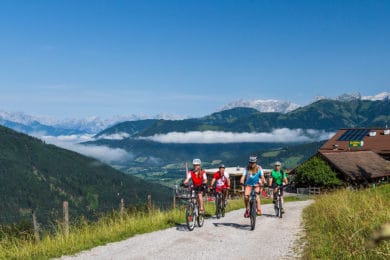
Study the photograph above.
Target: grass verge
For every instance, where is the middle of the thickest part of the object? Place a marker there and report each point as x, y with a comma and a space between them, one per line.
86, 235
339, 225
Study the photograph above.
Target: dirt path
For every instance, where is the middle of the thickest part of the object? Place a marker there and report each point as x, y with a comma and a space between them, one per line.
229, 237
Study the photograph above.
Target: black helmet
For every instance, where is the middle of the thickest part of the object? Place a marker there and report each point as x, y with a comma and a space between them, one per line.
252, 158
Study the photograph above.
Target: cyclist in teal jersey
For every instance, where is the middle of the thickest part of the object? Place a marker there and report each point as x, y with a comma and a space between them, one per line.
252, 178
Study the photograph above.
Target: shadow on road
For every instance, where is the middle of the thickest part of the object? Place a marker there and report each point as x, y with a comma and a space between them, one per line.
181, 227
268, 215
234, 225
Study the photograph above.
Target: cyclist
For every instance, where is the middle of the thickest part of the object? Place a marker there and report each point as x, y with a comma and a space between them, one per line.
199, 180
252, 177
278, 177
221, 181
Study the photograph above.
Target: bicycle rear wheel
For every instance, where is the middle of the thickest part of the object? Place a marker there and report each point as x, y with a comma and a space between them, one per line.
253, 209
190, 216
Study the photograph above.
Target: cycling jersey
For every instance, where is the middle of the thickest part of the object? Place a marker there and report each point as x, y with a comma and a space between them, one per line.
278, 176
221, 181
197, 180
253, 179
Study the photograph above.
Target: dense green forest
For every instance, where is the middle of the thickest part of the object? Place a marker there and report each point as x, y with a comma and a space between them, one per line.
34, 175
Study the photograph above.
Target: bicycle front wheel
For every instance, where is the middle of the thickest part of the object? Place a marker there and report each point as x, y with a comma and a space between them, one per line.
190, 216
280, 206
223, 208
218, 207
253, 210
200, 219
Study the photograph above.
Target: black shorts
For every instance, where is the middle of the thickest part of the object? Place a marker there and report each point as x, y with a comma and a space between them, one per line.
198, 189
279, 187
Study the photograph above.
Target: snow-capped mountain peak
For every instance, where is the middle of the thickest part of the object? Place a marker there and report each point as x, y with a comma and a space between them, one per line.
357, 96
380, 96
263, 105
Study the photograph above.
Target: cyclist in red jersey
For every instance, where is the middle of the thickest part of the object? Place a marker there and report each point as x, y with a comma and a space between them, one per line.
221, 180
199, 180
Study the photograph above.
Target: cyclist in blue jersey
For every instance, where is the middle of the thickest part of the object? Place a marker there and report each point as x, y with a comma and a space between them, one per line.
252, 178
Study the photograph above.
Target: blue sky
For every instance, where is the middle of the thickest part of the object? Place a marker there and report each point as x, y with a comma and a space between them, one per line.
80, 58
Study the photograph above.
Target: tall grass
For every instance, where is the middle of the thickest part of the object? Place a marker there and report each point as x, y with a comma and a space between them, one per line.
339, 225
86, 235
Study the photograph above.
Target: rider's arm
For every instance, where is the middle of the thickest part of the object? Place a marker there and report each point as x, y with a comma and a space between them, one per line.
228, 183
212, 182
204, 178
285, 180
270, 181
263, 180
187, 180
242, 180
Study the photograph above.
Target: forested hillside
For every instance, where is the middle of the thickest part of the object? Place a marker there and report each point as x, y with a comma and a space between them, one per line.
34, 175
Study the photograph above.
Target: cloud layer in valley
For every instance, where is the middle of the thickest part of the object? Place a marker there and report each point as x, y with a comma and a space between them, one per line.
72, 142
282, 135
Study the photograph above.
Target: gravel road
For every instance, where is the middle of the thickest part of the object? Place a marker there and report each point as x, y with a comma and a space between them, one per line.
229, 237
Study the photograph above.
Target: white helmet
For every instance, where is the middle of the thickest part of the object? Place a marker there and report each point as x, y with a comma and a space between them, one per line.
196, 162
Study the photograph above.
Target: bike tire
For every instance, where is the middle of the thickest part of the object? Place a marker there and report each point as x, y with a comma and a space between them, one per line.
200, 220
280, 209
218, 207
223, 208
190, 216
252, 214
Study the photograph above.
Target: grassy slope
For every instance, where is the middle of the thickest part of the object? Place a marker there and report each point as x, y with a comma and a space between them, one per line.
108, 229
339, 225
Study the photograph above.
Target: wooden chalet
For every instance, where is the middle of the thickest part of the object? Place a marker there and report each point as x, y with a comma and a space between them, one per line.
359, 155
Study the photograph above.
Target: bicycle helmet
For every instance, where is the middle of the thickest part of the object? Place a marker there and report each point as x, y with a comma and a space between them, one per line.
196, 162
278, 163
252, 158
221, 166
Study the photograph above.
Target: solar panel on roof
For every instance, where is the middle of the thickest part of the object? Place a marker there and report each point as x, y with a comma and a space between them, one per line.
353, 135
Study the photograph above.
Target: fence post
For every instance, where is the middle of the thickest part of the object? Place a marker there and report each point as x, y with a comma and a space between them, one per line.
36, 228
65, 207
122, 208
149, 202
174, 201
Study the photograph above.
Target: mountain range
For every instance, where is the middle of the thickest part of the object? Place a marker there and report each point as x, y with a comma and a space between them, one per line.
91, 125
222, 136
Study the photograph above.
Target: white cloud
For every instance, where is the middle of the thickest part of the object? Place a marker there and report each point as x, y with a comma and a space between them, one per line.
282, 135
72, 142
117, 136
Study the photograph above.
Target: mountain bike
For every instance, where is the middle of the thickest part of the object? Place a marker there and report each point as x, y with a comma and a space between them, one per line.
278, 202
253, 208
220, 203
192, 211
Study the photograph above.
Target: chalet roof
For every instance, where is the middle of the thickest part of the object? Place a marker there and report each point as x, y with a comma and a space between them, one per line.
358, 165
378, 142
